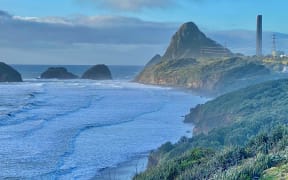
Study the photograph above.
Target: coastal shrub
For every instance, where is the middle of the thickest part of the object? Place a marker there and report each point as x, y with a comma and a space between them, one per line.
267, 149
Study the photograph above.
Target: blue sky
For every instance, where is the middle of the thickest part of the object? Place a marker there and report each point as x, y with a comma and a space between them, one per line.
211, 14
126, 31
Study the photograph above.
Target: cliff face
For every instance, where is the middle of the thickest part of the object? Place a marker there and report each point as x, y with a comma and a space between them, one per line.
209, 77
190, 42
211, 72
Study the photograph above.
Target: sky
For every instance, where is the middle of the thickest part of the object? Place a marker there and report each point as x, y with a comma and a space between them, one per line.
122, 32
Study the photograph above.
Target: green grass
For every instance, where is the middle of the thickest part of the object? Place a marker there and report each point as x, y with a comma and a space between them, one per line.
208, 76
280, 173
250, 161
246, 145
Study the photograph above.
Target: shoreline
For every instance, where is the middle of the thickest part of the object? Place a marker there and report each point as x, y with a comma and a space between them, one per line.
124, 171
128, 169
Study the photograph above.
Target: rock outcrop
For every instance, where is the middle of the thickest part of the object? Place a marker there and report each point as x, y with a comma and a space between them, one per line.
9, 74
190, 42
57, 73
98, 72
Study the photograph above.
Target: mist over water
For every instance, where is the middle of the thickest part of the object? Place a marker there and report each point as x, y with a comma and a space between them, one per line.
54, 129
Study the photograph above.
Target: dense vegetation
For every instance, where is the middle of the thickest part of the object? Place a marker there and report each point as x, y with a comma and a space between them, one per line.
263, 152
250, 106
208, 76
252, 143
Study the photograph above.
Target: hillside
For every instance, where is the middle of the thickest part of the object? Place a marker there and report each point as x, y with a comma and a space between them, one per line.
262, 101
210, 76
190, 42
240, 135
187, 63
264, 157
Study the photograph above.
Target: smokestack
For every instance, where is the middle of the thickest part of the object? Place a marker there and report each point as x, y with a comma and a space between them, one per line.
259, 36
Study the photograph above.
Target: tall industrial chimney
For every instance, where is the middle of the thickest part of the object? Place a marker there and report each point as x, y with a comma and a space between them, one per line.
259, 36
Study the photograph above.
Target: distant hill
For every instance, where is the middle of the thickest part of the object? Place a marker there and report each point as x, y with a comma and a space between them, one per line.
190, 42
244, 41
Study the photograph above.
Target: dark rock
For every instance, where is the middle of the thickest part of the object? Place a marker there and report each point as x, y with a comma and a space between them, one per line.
9, 74
57, 73
98, 72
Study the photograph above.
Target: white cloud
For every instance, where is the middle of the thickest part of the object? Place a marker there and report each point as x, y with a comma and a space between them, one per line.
81, 39
131, 4
48, 20
18, 30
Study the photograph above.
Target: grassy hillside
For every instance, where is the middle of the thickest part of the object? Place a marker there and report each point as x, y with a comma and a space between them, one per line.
245, 136
208, 76
259, 102
264, 157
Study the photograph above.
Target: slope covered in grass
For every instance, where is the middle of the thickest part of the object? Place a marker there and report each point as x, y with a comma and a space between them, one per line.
240, 135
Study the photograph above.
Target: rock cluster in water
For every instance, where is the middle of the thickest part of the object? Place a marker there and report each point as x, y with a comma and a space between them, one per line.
97, 72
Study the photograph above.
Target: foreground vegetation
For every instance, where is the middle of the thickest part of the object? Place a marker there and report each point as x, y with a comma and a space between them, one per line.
248, 162
250, 144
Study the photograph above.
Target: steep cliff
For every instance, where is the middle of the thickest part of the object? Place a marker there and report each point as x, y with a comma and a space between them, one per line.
196, 62
190, 42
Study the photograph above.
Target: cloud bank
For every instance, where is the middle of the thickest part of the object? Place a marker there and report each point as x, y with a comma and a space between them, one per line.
81, 39
102, 39
96, 30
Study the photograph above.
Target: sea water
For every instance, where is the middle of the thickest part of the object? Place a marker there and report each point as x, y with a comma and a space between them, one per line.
73, 129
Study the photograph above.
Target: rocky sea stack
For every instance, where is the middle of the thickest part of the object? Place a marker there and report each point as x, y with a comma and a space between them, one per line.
9, 74
190, 42
57, 73
98, 72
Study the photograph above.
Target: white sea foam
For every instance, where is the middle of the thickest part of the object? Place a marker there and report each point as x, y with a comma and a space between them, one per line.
71, 129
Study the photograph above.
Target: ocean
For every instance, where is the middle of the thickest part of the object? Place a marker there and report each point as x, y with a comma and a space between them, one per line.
73, 129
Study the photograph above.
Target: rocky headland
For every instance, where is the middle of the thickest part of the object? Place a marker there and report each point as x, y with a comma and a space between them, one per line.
194, 61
